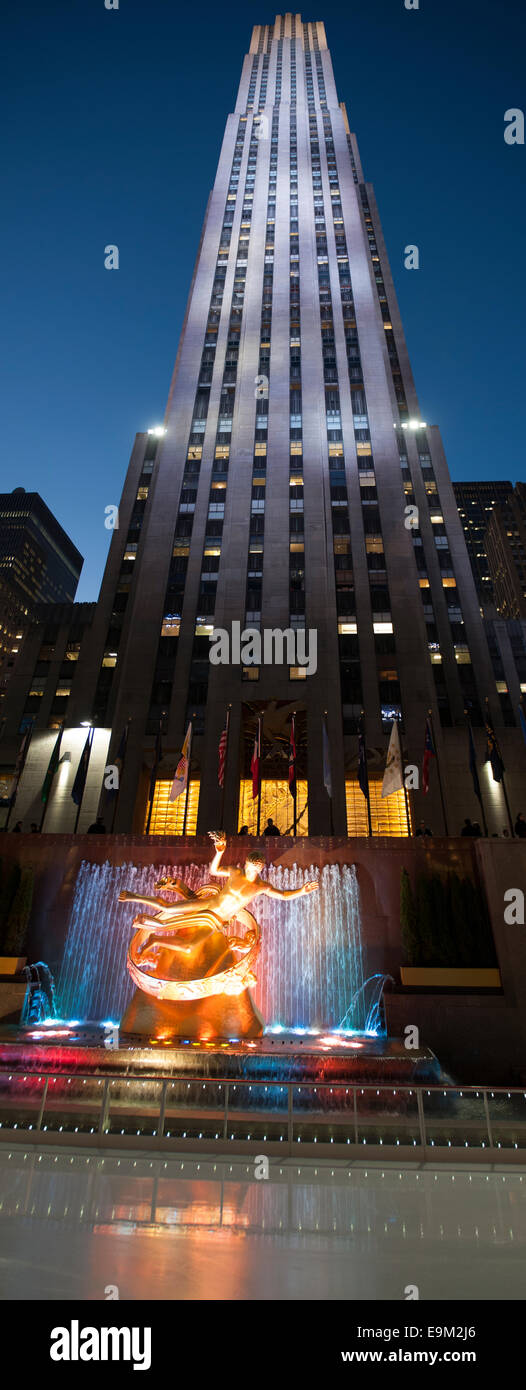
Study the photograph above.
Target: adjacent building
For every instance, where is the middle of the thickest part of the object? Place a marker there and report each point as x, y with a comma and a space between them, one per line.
38, 564
506, 551
293, 488
476, 501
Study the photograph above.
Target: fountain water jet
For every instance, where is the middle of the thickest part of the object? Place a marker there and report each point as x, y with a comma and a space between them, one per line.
311, 960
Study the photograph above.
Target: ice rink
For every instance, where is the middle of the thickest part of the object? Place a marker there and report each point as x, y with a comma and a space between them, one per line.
79, 1225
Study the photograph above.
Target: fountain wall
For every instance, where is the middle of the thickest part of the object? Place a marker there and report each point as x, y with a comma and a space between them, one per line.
477, 1027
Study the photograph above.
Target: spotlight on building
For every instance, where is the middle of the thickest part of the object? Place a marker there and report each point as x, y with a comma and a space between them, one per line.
157, 430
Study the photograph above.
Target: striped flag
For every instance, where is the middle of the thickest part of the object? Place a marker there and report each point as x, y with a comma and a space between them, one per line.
429, 753
180, 780
223, 744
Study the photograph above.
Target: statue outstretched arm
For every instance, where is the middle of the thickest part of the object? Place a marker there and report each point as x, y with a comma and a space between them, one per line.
126, 897
310, 887
219, 840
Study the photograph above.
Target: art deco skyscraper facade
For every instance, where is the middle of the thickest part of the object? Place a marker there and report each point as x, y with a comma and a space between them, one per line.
277, 495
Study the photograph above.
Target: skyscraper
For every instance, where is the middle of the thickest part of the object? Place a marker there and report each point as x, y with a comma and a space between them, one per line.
38, 564
295, 487
506, 549
475, 501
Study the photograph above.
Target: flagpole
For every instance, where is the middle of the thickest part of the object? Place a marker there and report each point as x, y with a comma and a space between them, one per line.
188, 776
150, 809
502, 778
479, 798
79, 807
442, 802
331, 818
512, 831
368, 797
295, 792
406, 798
157, 745
20, 771
259, 778
46, 803
223, 788
128, 722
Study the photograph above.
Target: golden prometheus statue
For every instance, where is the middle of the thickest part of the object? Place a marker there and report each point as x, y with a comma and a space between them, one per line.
195, 976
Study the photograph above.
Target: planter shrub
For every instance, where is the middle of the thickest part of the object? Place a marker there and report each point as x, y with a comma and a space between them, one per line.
446, 922
18, 919
8, 890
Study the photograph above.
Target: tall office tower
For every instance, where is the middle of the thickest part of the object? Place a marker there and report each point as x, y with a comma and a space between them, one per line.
38, 564
475, 502
282, 495
506, 551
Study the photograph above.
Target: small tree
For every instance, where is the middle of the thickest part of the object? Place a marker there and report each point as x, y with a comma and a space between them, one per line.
480, 934
8, 890
424, 918
18, 920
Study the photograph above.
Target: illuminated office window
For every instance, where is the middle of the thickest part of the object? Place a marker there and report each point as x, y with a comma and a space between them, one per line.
167, 816
388, 816
276, 801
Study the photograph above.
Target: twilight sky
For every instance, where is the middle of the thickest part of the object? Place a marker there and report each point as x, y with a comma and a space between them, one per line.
114, 122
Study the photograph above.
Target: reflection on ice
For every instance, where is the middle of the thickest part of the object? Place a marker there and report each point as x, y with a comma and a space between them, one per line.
71, 1223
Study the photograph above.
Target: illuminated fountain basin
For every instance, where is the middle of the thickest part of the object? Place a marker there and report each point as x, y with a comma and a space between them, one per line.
310, 969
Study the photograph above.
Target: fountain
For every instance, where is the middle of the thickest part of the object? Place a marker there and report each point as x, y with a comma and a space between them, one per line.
310, 969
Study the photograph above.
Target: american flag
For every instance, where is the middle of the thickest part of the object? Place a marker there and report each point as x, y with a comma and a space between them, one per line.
223, 742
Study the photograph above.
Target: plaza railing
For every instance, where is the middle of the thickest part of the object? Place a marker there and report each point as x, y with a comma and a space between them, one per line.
151, 1112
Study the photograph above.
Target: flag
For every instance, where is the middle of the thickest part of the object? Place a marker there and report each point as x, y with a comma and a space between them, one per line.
327, 779
52, 767
493, 754
429, 753
255, 766
156, 761
180, 780
119, 761
20, 763
522, 716
473, 765
363, 776
77, 790
393, 775
223, 744
292, 759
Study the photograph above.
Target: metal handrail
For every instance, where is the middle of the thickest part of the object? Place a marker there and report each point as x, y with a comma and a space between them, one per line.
450, 1088
290, 1114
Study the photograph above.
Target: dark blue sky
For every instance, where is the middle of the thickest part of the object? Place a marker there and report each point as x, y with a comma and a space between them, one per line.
115, 121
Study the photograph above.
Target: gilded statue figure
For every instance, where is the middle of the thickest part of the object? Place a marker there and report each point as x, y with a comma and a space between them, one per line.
220, 906
184, 953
